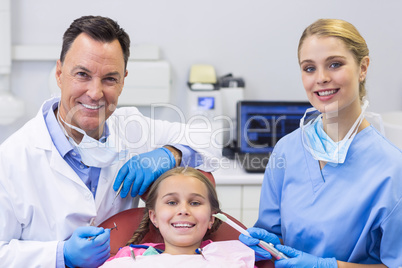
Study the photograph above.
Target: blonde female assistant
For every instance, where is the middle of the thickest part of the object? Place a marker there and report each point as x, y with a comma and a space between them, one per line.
337, 201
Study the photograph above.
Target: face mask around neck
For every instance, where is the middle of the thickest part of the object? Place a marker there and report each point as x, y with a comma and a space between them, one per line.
320, 145
93, 152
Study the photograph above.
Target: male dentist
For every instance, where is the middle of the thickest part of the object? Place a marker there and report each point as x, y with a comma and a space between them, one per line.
60, 172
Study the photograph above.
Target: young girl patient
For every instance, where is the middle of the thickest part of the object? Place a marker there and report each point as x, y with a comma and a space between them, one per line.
180, 205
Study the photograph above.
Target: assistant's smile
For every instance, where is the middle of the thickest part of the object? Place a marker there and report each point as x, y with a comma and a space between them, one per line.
327, 92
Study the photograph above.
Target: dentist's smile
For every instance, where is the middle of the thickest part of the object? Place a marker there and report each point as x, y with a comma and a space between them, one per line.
92, 107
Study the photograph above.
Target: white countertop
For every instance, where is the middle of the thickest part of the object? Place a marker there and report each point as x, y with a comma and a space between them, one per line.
230, 172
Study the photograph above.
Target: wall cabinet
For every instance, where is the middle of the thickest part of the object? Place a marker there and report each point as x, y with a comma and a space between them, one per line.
238, 191
240, 201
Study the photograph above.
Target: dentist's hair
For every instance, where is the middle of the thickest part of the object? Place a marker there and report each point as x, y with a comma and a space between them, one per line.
99, 28
347, 33
152, 196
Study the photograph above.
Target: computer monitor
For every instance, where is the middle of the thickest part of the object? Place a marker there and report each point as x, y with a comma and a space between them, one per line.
261, 124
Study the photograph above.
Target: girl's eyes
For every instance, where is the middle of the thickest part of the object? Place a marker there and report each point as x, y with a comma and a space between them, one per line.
192, 203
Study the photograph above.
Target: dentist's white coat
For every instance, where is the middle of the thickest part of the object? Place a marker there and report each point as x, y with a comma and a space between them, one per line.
42, 199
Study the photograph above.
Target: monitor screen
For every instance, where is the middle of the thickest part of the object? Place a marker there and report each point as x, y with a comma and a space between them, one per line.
206, 103
260, 124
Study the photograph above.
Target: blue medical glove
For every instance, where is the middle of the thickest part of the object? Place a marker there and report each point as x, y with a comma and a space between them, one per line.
302, 260
142, 170
79, 251
257, 235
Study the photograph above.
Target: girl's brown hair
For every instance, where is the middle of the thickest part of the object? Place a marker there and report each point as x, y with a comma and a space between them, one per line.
143, 227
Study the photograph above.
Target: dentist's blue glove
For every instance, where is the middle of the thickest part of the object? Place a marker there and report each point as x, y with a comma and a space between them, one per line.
257, 235
302, 260
142, 170
81, 252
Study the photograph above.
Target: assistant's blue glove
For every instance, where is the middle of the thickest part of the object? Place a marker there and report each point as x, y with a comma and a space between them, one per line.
142, 170
79, 251
257, 235
302, 260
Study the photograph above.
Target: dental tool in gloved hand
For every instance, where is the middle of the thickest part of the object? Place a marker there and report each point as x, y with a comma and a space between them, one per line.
142, 170
118, 192
93, 237
79, 252
264, 245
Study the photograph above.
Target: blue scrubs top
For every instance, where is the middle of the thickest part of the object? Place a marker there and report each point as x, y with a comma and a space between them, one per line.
352, 211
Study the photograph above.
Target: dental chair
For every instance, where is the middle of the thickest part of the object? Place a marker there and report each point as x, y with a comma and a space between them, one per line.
127, 222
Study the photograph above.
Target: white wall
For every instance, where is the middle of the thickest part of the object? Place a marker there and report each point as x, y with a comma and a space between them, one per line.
255, 39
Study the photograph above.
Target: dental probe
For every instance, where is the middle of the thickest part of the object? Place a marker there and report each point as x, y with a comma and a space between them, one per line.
93, 237
262, 244
118, 192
